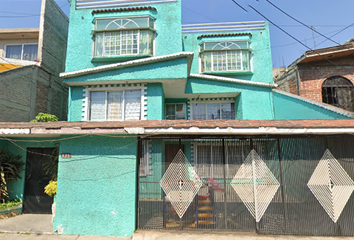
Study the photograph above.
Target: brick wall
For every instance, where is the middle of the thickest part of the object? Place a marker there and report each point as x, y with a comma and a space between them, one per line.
313, 75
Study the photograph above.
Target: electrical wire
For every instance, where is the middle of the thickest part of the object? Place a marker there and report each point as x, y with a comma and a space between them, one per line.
301, 22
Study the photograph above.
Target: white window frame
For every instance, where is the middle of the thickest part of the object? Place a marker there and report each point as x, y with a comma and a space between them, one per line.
22, 49
120, 30
88, 106
206, 108
185, 110
145, 160
249, 49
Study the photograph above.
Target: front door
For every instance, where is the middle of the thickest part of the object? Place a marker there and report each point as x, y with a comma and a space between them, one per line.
35, 200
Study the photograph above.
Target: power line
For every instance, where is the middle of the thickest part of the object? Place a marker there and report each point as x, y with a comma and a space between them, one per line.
239, 6
280, 28
337, 33
301, 22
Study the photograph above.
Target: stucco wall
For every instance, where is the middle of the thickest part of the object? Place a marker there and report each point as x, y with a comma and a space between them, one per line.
261, 55
80, 40
290, 108
251, 104
97, 186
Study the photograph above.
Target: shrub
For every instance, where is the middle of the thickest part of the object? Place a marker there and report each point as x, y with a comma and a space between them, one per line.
45, 117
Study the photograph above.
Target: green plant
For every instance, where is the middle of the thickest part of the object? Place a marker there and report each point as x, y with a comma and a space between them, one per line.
51, 188
51, 167
10, 204
45, 117
10, 169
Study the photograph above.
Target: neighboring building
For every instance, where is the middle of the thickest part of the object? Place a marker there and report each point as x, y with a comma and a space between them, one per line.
30, 62
323, 75
146, 94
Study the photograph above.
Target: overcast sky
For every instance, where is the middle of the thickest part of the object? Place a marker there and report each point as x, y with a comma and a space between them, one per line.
332, 18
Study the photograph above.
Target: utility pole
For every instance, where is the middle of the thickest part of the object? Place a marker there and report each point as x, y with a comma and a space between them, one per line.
313, 36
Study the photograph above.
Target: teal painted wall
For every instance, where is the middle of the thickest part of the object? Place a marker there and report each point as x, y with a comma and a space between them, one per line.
16, 187
76, 96
155, 101
171, 69
97, 186
168, 32
251, 104
261, 52
291, 108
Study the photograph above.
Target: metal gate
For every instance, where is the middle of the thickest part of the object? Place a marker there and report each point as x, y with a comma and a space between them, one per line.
269, 185
35, 200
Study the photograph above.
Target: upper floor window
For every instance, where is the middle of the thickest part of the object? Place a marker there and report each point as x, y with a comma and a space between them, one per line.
22, 51
231, 56
224, 110
124, 36
175, 111
338, 91
115, 105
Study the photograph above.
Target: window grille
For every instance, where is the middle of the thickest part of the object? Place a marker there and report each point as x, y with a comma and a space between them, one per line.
115, 105
119, 37
338, 92
225, 56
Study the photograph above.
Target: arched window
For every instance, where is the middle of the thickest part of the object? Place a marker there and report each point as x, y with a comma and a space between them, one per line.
338, 91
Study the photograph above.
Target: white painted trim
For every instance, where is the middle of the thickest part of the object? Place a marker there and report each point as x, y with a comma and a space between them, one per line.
225, 23
116, 3
14, 131
318, 104
248, 131
226, 79
126, 64
85, 104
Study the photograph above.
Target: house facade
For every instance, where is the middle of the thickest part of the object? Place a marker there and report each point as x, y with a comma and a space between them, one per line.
323, 75
181, 127
30, 62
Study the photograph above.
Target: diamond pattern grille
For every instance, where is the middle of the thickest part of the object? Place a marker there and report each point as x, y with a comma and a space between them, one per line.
331, 185
180, 183
255, 184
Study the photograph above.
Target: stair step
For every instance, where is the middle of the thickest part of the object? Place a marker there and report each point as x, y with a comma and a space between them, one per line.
205, 215
205, 208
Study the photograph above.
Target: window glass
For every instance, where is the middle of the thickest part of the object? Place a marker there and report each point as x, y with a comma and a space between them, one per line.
30, 52
175, 111
124, 37
213, 111
115, 100
199, 111
97, 106
115, 105
14, 52
225, 56
132, 105
227, 110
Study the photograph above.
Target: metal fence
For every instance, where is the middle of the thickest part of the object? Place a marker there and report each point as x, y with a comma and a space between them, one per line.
298, 186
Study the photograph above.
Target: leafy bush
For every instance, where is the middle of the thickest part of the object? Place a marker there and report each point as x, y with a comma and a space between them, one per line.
10, 204
45, 117
51, 188
10, 168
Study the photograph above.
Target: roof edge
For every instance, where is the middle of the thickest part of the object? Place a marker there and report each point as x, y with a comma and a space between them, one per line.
240, 81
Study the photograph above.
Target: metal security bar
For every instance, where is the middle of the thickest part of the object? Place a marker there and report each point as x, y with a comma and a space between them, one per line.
282, 185
84, 4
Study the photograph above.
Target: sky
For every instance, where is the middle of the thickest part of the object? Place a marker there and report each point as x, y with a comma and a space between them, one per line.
289, 38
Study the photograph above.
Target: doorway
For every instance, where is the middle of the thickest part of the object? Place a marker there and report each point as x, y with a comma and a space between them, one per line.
35, 200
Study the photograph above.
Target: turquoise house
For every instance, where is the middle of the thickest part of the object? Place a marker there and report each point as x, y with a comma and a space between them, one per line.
175, 126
